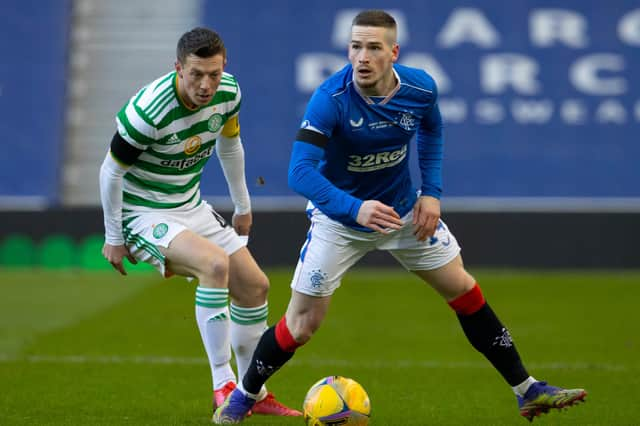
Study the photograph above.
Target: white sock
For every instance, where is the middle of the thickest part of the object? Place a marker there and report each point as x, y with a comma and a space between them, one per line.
247, 326
212, 315
522, 388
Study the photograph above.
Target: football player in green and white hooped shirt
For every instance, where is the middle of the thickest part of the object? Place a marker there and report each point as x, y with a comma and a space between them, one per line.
153, 212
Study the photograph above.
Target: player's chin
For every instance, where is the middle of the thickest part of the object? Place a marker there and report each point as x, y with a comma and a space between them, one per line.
365, 83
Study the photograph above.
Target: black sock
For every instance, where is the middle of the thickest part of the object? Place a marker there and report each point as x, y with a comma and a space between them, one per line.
267, 359
487, 334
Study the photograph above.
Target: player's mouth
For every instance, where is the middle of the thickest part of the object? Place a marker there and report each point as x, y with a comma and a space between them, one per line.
202, 97
364, 72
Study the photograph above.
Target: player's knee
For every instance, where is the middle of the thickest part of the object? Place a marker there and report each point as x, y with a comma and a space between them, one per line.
251, 291
261, 286
465, 284
215, 269
220, 268
457, 283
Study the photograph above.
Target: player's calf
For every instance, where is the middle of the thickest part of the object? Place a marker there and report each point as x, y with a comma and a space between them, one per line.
275, 348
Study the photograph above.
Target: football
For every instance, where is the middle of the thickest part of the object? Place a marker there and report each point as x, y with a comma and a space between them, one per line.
336, 400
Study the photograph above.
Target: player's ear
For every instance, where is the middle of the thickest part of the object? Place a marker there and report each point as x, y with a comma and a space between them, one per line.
179, 68
395, 52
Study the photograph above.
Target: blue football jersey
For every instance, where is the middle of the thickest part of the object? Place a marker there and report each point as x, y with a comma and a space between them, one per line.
367, 139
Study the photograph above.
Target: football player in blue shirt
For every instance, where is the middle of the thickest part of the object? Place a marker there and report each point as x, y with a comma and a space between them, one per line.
351, 161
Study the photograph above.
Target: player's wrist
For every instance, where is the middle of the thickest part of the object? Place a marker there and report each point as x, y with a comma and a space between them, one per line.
113, 241
431, 192
241, 210
355, 208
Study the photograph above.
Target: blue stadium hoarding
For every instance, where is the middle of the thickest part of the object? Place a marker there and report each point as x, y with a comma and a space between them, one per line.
539, 98
32, 94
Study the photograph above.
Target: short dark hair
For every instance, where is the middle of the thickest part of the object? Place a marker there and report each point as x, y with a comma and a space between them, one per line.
201, 42
374, 18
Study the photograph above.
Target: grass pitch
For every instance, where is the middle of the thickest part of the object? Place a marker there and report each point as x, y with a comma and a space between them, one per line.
79, 348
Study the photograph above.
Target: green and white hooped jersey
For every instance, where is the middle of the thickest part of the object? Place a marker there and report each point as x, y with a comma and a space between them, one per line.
177, 142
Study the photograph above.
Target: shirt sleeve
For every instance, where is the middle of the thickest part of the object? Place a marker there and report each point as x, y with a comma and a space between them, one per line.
430, 149
231, 155
135, 126
111, 174
322, 114
320, 120
231, 128
306, 180
234, 107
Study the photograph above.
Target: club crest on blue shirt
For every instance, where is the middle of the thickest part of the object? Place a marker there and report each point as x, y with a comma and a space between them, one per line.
406, 120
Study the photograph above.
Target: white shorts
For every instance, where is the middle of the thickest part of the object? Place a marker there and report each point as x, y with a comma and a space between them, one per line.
332, 248
144, 232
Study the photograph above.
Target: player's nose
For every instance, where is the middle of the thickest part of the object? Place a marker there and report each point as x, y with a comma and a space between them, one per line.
206, 84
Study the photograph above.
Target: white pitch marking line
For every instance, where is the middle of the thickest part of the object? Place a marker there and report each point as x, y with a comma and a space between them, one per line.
427, 364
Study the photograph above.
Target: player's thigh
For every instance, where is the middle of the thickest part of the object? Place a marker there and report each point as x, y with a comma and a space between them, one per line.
248, 284
148, 235
191, 255
205, 221
328, 252
450, 280
305, 314
436, 260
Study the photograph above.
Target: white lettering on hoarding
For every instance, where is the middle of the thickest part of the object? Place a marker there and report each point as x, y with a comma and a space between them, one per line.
468, 25
629, 28
313, 68
611, 111
424, 61
573, 111
549, 26
586, 74
512, 81
454, 109
489, 111
498, 72
537, 111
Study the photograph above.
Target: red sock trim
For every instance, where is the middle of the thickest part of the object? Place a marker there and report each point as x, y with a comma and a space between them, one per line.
470, 302
284, 338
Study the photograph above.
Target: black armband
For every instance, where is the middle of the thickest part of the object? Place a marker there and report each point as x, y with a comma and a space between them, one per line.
123, 151
314, 138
